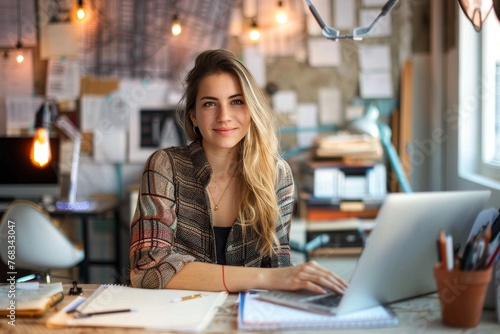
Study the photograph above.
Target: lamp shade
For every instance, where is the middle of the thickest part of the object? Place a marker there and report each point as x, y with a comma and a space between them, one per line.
476, 11
368, 124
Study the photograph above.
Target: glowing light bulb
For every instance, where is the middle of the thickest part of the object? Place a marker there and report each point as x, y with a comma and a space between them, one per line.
281, 16
20, 56
254, 32
80, 13
40, 152
176, 26
19, 52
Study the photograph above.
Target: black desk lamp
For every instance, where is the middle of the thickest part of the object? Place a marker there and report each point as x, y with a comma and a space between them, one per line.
46, 115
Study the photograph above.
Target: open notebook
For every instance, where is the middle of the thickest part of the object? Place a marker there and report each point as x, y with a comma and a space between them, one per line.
255, 314
162, 309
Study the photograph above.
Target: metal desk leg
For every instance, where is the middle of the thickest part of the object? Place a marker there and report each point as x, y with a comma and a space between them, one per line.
84, 266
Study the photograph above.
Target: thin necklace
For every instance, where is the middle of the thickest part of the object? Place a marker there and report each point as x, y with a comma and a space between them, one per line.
220, 199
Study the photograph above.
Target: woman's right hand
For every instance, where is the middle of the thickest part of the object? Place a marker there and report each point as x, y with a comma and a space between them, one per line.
310, 276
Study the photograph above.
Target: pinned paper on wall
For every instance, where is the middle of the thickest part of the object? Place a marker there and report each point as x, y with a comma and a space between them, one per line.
63, 79
58, 40
284, 102
307, 121
323, 52
375, 57
375, 84
330, 101
21, 112
344, 14
255, 62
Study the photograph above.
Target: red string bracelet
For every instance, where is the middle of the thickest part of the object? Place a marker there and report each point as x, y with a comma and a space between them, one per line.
224, 280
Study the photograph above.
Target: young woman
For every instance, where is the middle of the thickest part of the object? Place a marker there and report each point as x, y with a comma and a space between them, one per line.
216, 215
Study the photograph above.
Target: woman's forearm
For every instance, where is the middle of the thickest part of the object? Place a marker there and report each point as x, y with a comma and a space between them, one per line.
214, 277
210, 277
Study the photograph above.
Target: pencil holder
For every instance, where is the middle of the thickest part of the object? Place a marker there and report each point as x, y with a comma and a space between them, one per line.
461, 295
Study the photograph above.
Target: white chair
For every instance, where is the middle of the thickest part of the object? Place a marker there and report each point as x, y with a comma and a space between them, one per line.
28, 235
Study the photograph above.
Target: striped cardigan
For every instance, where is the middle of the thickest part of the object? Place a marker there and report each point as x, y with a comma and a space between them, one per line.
172, 224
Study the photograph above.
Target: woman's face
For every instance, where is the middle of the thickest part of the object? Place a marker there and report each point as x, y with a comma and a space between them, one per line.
221, 112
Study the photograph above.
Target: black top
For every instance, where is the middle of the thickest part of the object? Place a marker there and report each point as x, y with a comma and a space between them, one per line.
221, 234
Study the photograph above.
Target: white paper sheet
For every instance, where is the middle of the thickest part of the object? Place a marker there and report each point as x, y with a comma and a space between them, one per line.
21, 112
307, 118
63, 79
375, 84
330, 101
255, 62
323, 52
285, 101
58, 40
375, 57
344, 14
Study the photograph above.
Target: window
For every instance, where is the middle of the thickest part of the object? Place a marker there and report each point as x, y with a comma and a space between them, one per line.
479, 102
490, 108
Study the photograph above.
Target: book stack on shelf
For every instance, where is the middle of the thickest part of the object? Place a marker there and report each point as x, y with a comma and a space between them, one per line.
341, 193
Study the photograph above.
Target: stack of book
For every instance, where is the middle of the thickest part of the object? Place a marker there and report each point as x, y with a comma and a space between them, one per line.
342, 189
348, 147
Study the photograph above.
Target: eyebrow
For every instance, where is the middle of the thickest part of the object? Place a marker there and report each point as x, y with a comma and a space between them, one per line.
214, 98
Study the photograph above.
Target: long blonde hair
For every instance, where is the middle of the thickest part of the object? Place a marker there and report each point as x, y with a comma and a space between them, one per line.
258, 207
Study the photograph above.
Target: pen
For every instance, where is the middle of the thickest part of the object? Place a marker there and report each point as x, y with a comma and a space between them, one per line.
442, 248
182, 299
86, 315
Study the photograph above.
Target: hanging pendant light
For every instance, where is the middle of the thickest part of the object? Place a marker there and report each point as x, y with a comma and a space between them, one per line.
254, 31
476, 11
281, 16
176, 25
19, 44
80, 10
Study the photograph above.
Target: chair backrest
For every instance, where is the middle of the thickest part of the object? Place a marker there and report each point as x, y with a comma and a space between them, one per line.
28, 235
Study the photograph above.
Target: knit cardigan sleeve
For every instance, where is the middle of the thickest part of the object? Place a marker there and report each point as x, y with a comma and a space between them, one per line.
152, 256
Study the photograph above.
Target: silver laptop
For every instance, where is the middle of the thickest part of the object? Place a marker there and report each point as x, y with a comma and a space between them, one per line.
399, 254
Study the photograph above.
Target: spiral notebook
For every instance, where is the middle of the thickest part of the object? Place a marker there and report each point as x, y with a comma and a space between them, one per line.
164, 309
255, 314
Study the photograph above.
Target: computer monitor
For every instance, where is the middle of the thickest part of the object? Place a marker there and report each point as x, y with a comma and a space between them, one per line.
19, 178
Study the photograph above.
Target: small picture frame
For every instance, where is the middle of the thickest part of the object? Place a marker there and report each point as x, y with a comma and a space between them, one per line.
156, 128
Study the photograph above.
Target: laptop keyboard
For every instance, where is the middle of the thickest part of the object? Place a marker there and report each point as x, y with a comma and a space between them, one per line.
328, 300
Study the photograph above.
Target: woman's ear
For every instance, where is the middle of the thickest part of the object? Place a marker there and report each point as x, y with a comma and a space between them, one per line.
192, 117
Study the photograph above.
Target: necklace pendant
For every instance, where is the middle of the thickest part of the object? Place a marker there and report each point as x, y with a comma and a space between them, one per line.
216, 208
